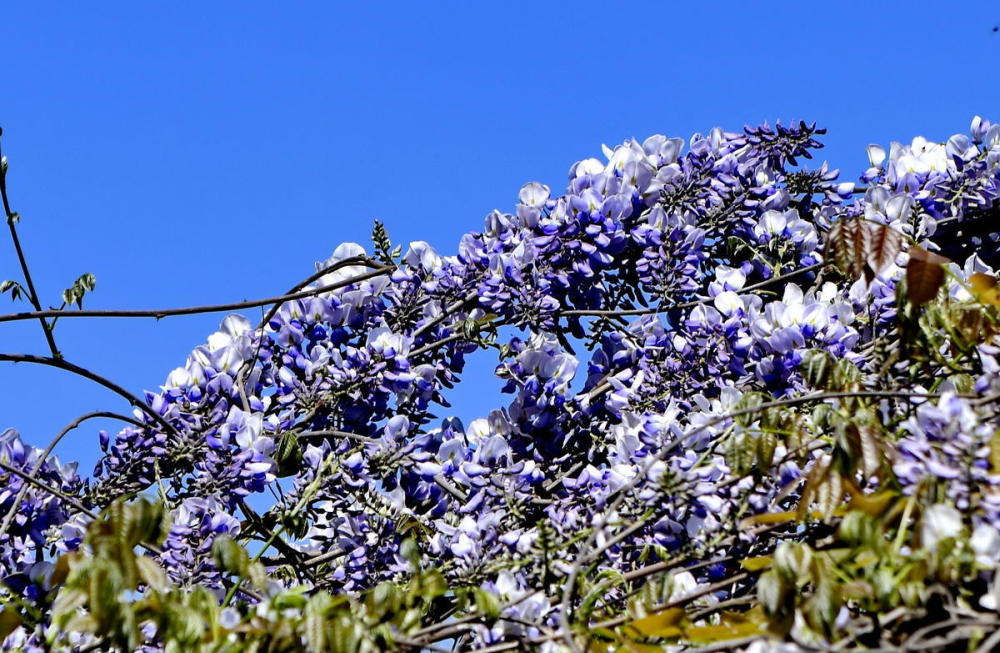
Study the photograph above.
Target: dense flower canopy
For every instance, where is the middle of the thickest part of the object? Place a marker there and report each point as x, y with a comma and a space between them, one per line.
728, 407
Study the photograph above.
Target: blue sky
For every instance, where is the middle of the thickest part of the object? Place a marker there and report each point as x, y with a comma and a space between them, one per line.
198, 153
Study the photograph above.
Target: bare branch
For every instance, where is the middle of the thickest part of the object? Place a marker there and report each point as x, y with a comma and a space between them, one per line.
97, 378
5, 524
32, 294
193, 310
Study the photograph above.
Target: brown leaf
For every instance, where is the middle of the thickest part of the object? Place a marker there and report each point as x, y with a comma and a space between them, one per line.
829, 495
924, 275
9, 621
847, 245
814, 480
871, 449
885, 244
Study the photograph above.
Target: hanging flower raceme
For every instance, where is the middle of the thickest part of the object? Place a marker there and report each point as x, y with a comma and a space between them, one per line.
762, 376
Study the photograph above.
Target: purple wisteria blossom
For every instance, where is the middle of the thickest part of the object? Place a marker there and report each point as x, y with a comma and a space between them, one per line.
636, 317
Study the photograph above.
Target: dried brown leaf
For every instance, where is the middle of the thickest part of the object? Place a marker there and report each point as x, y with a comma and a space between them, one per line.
884, 246
924, 275
847, 246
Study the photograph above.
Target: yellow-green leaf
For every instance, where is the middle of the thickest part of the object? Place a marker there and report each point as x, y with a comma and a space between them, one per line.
151, 573
995, 452
661, 624
721, 633
985, 289
771, 518
873, 505
759, 562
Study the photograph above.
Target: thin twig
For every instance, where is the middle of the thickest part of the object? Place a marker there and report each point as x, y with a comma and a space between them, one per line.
614, 500
193, 310
25, 476
663, 309
445, 313
48, 450
93, 376
32, 294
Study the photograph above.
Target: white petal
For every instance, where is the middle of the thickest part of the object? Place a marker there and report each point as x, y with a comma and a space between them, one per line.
728, 302
876, 155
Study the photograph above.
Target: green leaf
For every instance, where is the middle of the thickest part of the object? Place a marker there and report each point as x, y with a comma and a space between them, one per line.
817, 366
824, 417
857, 528
828, 495
792, 560
767, 443
410, 552
76, 292
870, 449
487, 603
15, 289
149, 522
844, 376
773, 593
292, 599
995, 452
314, 622
432, 584
750, 401
823, 605
257, 575
771, 518
741, 453
985, 289
288, 455
230, 556
151, 574
186, 626
758, 562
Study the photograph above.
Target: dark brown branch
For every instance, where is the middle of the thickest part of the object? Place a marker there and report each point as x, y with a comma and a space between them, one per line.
615, 499
347, 262
48, 451
96, 378
691, 304
339, 434
446, 312
676, 603
32, 294
24, 476
193, 310
434, 345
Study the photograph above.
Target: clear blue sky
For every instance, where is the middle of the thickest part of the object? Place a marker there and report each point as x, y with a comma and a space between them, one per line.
194, 153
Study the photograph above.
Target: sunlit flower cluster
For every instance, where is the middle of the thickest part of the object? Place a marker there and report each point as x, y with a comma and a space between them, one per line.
689, 269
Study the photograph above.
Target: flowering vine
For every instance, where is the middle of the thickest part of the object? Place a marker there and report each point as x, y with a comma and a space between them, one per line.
743, 401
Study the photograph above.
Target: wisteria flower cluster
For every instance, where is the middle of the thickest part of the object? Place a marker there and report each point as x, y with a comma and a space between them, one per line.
743, 401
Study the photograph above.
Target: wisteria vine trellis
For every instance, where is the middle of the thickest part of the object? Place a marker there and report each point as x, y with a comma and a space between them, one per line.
752, 408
